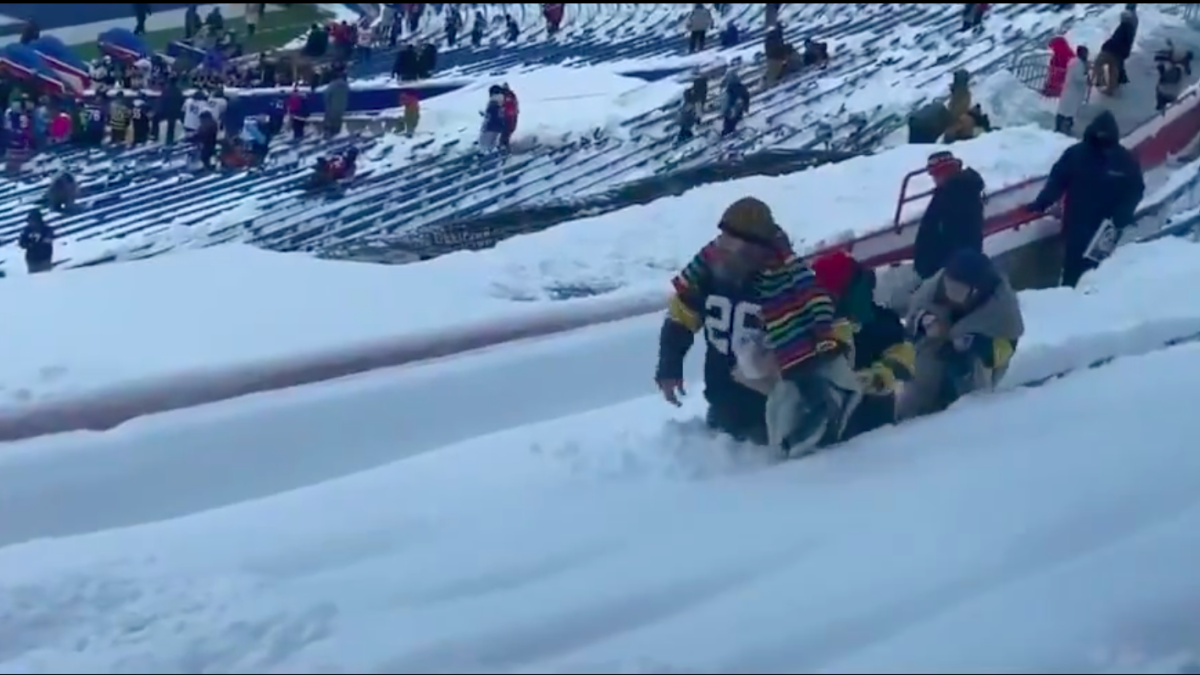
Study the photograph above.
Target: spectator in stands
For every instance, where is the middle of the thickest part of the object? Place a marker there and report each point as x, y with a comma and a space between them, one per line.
1074, 91
426, 59
30, 33
215, 21
494, 123
512, 30
772, 14
170, 107
972, 16
253, 14
1173, 64
699, 22
962, 124
205, 140
141, 10
1110, 65
689, 117
412, 15
953, 220
37, 240
1098, 179
140, 118
777, 52
512, 112
405, 66
452, 25
816, 54
729, 36
191, 22
297, 112
62, 192
316, 44
412, 112
553, 13
699, 91
118, 118
1061, 56
478, 28
735, 102
337, 98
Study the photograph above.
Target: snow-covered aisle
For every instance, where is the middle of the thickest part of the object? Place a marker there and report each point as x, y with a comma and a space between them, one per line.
1002, 536
1052, 528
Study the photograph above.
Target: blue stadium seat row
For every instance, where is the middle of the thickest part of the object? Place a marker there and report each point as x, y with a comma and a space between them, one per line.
143, 202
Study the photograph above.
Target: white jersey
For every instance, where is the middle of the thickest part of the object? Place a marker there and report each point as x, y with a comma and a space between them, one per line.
192, 110
217, 106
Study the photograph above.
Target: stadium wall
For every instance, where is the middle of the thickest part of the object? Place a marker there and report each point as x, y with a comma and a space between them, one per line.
1167, 134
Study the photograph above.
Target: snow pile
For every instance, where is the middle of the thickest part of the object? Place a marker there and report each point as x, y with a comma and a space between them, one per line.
618, 539
555, 102
646, 244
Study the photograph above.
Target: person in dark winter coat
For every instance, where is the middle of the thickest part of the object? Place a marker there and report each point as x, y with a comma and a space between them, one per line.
883, 355
37, 240
1115, 51
954, 218
1098, 179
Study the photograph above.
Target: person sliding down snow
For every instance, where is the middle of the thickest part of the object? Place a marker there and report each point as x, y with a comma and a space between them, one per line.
966, 321
334, 168
883, 356
744, 285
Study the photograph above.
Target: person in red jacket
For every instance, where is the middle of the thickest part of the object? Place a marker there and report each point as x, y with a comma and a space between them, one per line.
511, 112
1061, 56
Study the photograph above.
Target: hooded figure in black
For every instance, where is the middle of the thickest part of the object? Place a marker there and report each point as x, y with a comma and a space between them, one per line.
953, 221
1098, 179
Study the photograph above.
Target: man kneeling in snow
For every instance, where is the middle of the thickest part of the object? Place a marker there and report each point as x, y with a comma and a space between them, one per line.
966, 321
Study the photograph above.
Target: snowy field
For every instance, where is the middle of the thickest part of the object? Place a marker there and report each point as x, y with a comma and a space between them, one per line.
1048, 529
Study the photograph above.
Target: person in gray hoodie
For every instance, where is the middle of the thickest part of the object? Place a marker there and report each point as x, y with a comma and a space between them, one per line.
966, 322
337, 98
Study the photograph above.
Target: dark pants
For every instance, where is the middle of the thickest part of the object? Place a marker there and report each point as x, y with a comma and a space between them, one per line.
1064, 124
696, 41
1074, 264
742, 415
872, 413
36, 266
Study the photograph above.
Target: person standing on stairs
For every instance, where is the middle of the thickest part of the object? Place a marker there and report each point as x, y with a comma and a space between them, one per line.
698, 24
1097, 179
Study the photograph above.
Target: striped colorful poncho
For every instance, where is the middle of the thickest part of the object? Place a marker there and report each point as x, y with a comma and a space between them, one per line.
798, 316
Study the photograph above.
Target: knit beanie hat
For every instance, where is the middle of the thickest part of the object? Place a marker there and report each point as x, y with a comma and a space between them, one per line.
942, 163
836, 271
751, 219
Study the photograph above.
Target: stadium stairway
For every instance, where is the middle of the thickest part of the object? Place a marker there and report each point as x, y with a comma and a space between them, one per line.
143, 202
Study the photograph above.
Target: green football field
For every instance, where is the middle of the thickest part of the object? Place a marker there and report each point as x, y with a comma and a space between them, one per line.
275, 29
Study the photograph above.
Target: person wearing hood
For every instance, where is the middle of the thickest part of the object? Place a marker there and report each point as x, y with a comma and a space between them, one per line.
953, 220
883, 355
965, 323
1061, 56
735, 102
1097, 179
776, 369
37, 240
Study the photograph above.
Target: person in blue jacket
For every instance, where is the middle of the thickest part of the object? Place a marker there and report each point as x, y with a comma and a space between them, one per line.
493, 119
37, 240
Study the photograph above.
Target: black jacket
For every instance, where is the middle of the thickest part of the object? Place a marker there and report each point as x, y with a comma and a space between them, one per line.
1097, 179
952, 221
37, 239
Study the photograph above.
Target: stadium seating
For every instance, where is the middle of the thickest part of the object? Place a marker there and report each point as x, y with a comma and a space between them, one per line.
140, 203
